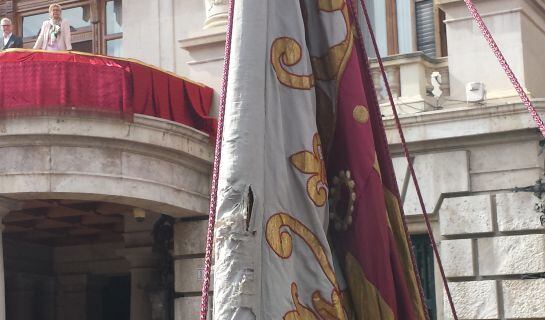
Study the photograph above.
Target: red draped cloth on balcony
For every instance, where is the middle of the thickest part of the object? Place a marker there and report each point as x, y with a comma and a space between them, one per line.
57, 83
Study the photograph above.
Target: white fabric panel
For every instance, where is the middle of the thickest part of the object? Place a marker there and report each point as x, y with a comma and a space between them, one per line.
237, 252
265, 123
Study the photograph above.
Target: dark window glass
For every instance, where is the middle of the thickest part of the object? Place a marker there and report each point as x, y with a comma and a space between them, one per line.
424, 260
116, 298
79, 17
32, 24
114, 20
425, 27
114, 48
83, 46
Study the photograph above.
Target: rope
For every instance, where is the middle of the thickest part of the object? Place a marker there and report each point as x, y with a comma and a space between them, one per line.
215, 172
503, 62
410, 165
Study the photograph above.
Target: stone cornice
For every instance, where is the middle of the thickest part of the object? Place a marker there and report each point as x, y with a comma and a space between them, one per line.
203, 38
409, 58
153, 132
151, 163
462, 122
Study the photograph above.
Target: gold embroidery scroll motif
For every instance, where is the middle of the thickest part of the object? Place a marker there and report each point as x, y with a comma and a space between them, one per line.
368, 303
330, 65
396, 224
281, 242
287, 52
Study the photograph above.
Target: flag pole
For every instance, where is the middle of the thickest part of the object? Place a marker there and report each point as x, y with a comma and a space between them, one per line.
215, 172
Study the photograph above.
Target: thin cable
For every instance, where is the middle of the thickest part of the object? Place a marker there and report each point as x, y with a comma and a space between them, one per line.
503, 62
410, 165
215, 172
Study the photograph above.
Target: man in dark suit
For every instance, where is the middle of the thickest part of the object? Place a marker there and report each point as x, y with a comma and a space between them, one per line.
9, 39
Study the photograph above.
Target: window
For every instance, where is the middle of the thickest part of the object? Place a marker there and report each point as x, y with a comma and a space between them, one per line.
404, 26
377, 15
405, 23
113, 48
424, 260
79, 18
430, 29
425, 27
113, 31
96, 25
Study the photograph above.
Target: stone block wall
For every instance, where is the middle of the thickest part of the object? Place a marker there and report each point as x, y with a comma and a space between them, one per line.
189, 248
437, 173
493, 252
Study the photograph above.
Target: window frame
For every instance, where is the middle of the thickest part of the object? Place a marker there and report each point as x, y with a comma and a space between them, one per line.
107, 37
439, 29
391, 27
96, 32
30, 9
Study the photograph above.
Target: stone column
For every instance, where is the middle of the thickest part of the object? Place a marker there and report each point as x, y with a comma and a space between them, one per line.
216, 13
189, 248
144, 275
72, 300
143, 263
518, 27
6, 205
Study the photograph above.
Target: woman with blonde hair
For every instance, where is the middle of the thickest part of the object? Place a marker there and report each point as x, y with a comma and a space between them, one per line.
55, 32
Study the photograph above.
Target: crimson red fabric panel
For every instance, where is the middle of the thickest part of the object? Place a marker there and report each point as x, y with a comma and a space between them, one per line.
37, 82
160, 94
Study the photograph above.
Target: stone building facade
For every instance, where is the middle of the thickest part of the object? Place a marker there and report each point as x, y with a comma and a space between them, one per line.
467, 155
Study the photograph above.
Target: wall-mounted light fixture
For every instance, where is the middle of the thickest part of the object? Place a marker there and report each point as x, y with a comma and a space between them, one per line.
537, 189
139, 214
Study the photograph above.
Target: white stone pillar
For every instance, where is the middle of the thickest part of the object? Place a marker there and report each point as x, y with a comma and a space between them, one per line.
518, 27
216, 13
190, 242
143, 263
144, 276
6, 205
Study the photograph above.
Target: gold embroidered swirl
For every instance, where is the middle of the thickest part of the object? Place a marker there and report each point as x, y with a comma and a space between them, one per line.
330, 5
287, 52
281, 242
301, 312
331, 64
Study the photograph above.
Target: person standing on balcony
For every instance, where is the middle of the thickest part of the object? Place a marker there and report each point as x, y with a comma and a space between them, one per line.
10, 40
55, 32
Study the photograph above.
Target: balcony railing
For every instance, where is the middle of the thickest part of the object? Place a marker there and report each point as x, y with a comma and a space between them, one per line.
57, 83
409, 76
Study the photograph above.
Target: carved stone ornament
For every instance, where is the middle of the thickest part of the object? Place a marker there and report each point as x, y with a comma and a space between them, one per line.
216, 13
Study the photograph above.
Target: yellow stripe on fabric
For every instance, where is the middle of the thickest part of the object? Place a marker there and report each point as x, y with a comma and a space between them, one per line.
367, 301
402, 246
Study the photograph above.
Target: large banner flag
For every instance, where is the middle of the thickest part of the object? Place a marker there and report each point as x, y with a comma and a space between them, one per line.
300, 100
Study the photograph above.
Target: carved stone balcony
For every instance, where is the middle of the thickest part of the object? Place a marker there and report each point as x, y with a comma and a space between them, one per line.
92, 128
409, 76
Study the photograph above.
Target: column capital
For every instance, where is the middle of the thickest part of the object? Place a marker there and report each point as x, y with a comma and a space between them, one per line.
216, 13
